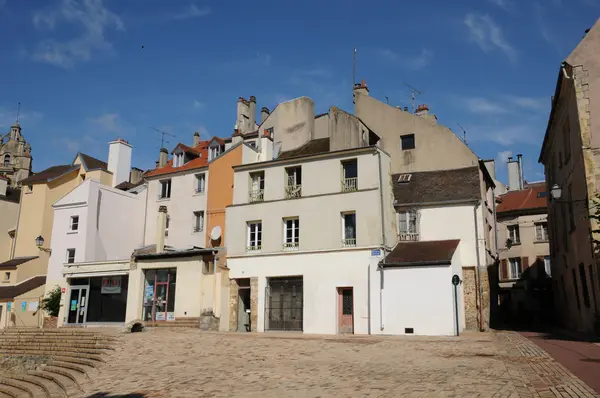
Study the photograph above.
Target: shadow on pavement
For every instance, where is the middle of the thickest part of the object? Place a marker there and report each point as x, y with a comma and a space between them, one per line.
107, 395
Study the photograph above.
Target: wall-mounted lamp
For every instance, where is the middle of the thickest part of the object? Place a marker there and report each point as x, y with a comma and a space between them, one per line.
556, 194
39, 242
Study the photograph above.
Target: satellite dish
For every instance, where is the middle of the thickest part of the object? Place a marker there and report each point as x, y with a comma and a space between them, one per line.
215, 234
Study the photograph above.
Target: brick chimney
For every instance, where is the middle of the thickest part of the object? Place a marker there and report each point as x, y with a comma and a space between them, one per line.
252, 113
422, 110
264, 114
196, 139
361, 88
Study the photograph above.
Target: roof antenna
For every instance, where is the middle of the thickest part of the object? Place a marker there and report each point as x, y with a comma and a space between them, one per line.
162, 136
464, 133
18, 111
387, 100
413, 92
354, 70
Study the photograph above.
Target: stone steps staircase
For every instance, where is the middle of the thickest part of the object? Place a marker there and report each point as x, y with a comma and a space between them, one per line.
70, 358
177, 323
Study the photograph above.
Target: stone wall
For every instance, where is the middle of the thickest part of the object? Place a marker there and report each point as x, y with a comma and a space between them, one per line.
50, 322
233, 305
253, 304
472, 302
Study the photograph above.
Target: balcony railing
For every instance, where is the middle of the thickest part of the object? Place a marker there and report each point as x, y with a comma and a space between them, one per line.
408, 236
197, 229
199, 190
256, 195
349, 242
541, 239
349, 184
253, 249
163, 197
293, 191
291, 246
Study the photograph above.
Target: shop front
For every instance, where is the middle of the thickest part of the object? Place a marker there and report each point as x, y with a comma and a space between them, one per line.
98, 299
159, 294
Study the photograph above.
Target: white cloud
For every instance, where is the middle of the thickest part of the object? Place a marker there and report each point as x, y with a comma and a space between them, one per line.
191, 12
483, 105
91, 15
504, 4
8, 117
506, 134
530, 103
113, 123
198, 105
489, 36
502, 157
414, 62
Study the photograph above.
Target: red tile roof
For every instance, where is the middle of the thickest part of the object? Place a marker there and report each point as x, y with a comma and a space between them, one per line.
201, 161
534, 196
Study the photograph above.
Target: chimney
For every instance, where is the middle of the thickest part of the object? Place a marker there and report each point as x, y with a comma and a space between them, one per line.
196, 139
490, 165
264, 114
163, 157
422, 110
361, 88
521, 180
3, 185
236, 136
514, 175
242, 114
161, 228
119, 160
252, 113
266, 146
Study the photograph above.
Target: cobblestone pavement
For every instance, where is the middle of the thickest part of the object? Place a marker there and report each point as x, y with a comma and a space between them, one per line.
190, 363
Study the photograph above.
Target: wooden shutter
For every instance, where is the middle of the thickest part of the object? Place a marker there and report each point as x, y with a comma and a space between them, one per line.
504, 271
524, 263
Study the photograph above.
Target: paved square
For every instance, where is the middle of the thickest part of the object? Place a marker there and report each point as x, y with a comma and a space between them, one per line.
190, 363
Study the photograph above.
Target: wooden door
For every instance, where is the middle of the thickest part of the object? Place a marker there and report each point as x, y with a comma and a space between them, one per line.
346, 310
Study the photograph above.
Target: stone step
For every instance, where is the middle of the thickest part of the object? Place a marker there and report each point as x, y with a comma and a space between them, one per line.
43, 344
51, 349
57, 336
64, 384
81, 370
49, 389
73, 375
12, 391
90, 363
43, 353
31, 389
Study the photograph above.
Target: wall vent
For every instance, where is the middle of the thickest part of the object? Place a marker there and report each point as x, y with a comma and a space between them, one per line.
409, 330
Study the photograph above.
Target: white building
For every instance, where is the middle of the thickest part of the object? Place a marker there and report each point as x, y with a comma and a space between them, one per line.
303, 232
95, 230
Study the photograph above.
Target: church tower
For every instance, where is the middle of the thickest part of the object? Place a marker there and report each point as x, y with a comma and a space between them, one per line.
15, 155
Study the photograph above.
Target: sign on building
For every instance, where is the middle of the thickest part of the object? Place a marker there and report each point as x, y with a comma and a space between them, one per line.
111, 285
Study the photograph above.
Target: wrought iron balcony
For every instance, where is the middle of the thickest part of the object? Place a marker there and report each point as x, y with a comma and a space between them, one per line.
253, 249
291, 246
256, 195
408, 236
199, 190
349, 184
349, 242
293, 191
198, 229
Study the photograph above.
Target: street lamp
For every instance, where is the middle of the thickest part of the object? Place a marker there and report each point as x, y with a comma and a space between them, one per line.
556, 192
39, 242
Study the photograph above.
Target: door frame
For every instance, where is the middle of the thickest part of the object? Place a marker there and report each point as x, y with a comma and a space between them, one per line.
156, 284
79, 288
340, 309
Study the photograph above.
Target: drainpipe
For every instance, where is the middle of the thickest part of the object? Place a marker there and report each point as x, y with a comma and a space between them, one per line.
145, 214
369, 298
478, 268
381, 296
381, 200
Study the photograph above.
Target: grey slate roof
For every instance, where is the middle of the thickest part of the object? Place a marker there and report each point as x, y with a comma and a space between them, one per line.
438, 186
50, 174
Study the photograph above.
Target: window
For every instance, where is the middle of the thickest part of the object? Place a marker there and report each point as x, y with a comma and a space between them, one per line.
407, 141
74, 224
200, 183
70, 256
515, 267
408, 225
254, 236
291, 234
584, 287
7, 160
214, 152
293, 188
547, 266
178, 160
252, 144
349, 175
165, 189
513, 234
543, 194
167, 225
198, 221
257, 186
349, 229
6, 277
541, 232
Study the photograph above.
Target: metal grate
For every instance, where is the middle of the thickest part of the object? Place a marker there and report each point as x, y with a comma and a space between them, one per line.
284, 304
347, 302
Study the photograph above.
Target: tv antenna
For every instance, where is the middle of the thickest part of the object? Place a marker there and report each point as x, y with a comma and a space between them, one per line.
464, 132
18, 111
413, 96
162, 136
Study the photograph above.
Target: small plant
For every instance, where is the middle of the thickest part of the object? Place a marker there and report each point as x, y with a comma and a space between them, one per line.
51, 303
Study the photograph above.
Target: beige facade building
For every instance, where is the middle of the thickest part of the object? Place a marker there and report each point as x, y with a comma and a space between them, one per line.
15, 156
571, 157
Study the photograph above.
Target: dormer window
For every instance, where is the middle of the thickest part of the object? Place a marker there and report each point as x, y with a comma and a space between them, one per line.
178, 160
214, 152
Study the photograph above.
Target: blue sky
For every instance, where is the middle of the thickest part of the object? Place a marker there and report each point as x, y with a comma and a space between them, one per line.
83, 79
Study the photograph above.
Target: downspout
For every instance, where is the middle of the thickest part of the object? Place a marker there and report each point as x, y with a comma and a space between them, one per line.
14, 243
381, 280
478, 269
381, 200
145, 214
369, 298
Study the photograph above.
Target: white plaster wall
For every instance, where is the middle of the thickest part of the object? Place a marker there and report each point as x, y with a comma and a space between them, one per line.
415, 297
188, 294
322, 274
180, 208
454, 222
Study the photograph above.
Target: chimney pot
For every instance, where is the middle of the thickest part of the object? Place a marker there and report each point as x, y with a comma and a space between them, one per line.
252, 99
196, 139
163, 157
